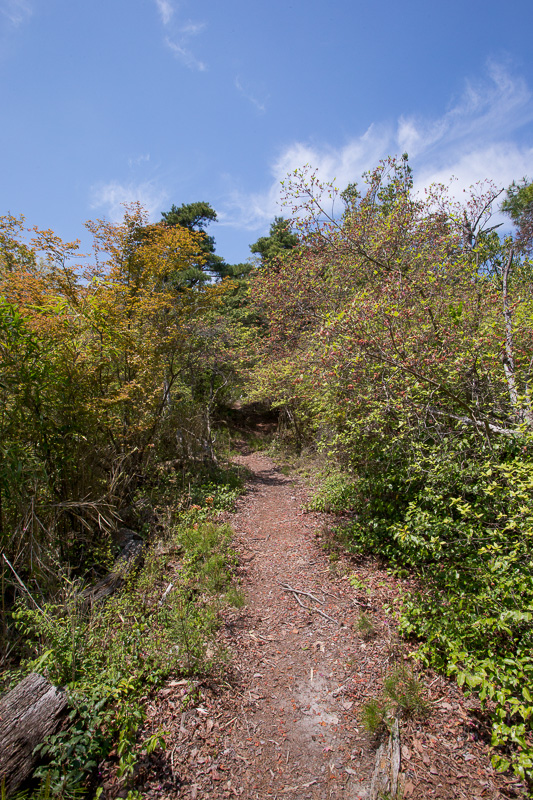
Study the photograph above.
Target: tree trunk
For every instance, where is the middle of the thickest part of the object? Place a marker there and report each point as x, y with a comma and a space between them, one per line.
29, 713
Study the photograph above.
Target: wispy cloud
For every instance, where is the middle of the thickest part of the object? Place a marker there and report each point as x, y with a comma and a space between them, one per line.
179, 35
166, 10
192, 28
136, 161
473, 140
16, 11
111, 197
184, 54
260, 105
485, 111
344, 165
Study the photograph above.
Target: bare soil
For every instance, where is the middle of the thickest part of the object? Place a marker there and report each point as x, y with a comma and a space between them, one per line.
284, 720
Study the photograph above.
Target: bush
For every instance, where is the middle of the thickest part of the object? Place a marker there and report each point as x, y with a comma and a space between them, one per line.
464, 525
113, 655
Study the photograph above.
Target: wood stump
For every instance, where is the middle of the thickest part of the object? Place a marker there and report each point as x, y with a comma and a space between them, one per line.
29, 713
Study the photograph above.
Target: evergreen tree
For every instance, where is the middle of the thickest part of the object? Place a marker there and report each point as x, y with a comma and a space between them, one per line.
279, 240
196, 217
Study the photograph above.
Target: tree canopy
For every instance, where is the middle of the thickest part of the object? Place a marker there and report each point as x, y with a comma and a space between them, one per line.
279, 240
196, 217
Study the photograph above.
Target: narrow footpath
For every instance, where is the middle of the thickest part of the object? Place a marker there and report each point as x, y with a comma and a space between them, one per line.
285, 721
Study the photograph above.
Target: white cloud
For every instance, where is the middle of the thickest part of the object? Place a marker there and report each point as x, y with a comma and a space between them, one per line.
472, 140
344, 165
260, 105
192, 28
177, 39
500, 162
136, 161
166, 10
16, 11
183, 54
112, 196
486, 111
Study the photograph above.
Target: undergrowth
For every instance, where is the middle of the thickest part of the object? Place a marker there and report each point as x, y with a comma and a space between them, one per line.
111, 656
461, 520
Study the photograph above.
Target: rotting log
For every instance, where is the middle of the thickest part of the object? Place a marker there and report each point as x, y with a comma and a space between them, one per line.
130, 555
387, 768
29, 713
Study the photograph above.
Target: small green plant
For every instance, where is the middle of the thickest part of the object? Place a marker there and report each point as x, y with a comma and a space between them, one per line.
402, 693
335, 495
365, 627
406, 691
235, 597
374, 715
359, 584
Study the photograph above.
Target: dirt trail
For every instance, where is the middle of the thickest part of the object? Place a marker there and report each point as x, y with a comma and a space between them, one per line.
285, 721
295, 661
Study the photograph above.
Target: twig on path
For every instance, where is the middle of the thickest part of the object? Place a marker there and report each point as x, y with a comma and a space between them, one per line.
263, 638
296, 592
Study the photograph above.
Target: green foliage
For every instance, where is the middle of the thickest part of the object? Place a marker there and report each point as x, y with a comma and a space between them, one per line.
196, 217
374, 715
387, 344
519, 199
113, 655
365, 627
402, 694
405, 691
334, 495
104, 378
465, 527
279, 240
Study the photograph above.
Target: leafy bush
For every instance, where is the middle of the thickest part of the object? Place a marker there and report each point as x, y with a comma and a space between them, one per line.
335, 494
465, 526
111, 656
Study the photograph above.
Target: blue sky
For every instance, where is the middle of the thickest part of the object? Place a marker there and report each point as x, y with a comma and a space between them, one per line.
170, 102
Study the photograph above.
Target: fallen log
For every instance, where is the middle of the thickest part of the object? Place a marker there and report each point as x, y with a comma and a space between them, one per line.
130, 555
387, 768
29, 713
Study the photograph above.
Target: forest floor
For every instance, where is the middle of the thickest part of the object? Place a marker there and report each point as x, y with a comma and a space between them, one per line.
284, 721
